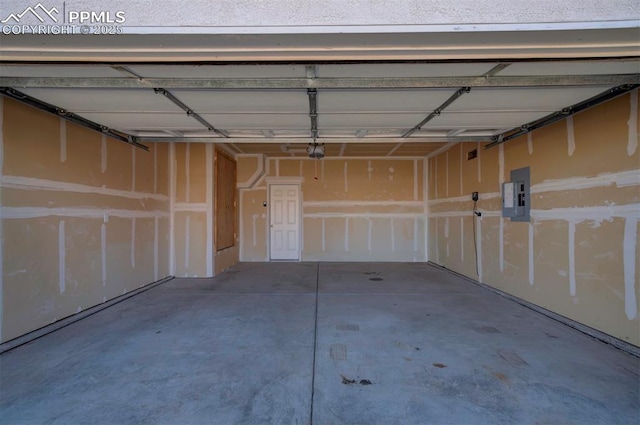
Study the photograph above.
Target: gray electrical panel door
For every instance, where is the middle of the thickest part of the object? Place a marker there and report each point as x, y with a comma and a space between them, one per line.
516, 199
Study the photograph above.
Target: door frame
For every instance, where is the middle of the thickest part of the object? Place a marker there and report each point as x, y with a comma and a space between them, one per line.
275, 181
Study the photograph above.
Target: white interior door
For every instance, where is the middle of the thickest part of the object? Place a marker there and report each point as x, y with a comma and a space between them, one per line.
284, 201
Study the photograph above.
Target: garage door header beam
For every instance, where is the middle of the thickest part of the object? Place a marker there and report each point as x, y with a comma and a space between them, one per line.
321, 83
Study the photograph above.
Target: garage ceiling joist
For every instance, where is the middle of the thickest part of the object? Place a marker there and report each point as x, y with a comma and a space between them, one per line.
322, 83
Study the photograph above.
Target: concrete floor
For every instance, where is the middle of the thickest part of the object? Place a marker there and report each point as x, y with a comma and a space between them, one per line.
239, 349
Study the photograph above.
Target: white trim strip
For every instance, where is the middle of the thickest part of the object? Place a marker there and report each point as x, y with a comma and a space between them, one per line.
36, 212
572, 258
346, 234
209, 201
309, 204
571, 139
133, 242
172, 212
103, 256
632, 143
501, 242
63, 140
187, 171
531, 262
103, 153
156, 239
62, 251
30, 183
630, 270
464, 198
363, 215
186, 207
133, 168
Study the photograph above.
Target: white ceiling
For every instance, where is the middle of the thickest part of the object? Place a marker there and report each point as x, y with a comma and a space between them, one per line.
344, 115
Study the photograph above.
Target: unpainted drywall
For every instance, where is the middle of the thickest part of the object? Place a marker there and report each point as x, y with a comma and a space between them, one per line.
353, 209
579, 255
85, 218
192, 246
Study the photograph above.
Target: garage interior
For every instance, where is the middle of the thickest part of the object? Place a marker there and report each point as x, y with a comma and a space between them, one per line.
286, 233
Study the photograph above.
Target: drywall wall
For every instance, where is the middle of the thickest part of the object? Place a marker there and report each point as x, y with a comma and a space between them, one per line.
358, 209
85, 218
578, 256
193, 251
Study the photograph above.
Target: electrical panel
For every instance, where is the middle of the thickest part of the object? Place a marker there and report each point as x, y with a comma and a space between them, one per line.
516, 199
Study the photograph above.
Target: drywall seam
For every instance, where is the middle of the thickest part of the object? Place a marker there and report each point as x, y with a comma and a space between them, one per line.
322, 170
620, 179
103, 153
437, 239
309, 204
1, 218
30, 183
479, 163
363, 215
440, 150
465, 198
630, 245
156, 240
63, 140
187, 236
572, 258
187, 172
599, 213
461, 166
446, 234
462, 239
62, 252
435, 166
346, 234
323, 233
103, 251
465, 214
446, 174
337, 158
425, 198
531, 262
530, 143
415, 179
370, 226
571, 138
415, 234
277, 162
36, 212
479, 242
155, 170
254, 229
259, 172
342, 148
133, 168
172, 212
393, 235
133, 243
501, 242
632, 143
369, 169
209, 200
346, 176
195, 207
501, 164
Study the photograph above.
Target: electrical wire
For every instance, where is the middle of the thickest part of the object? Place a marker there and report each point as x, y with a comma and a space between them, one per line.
475, 243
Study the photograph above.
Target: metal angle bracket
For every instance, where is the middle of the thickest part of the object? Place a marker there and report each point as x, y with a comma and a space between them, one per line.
190, 112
